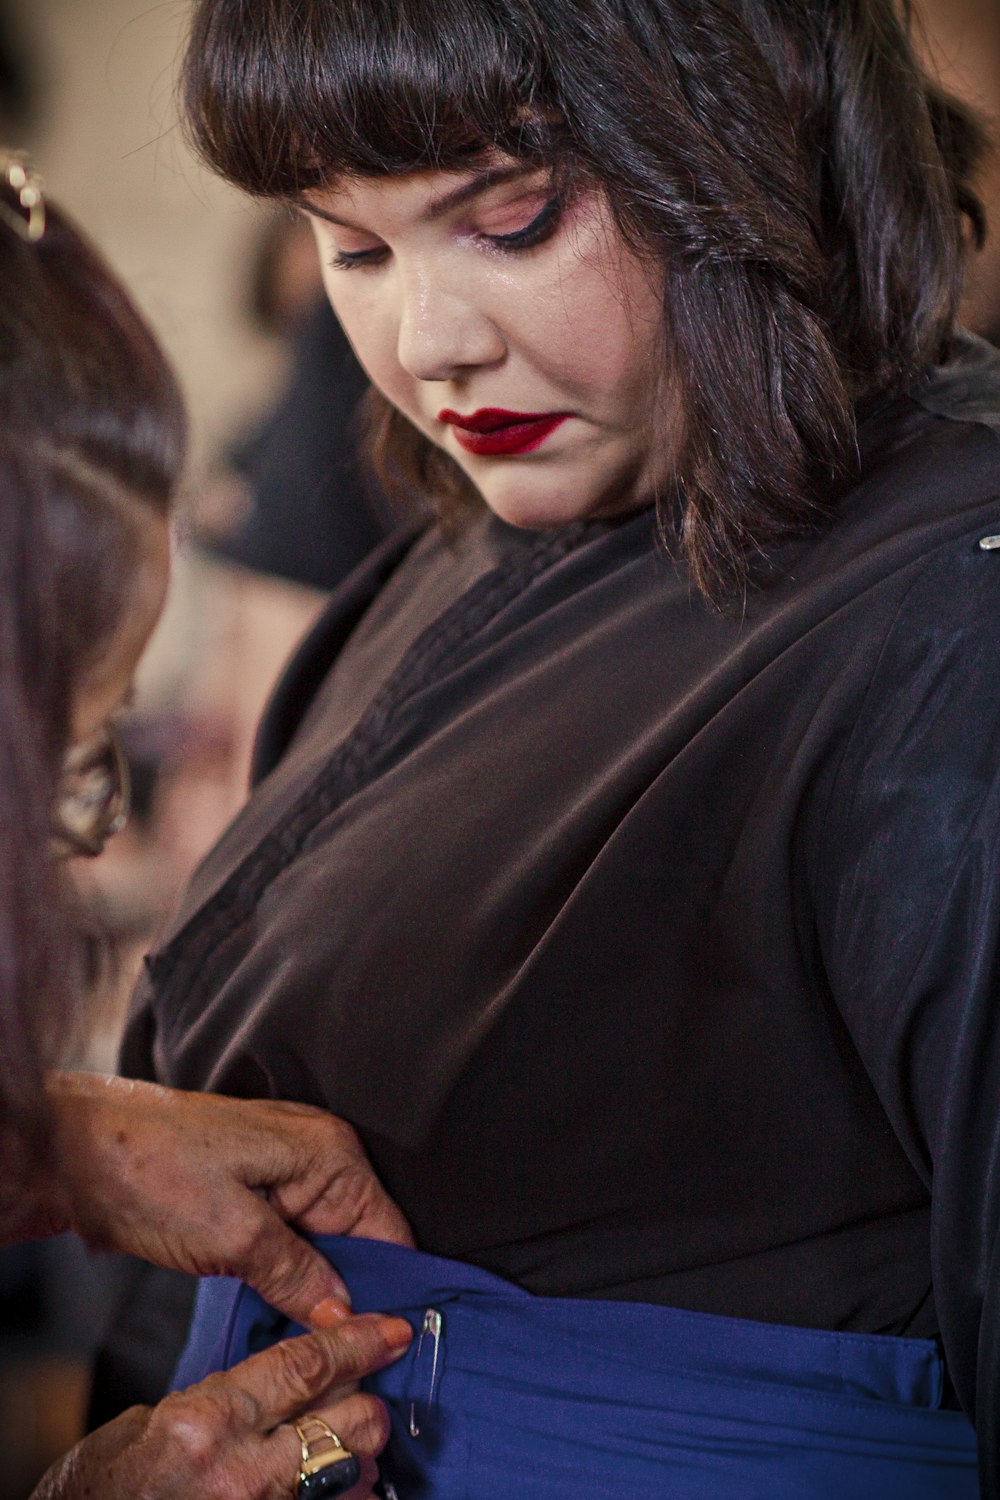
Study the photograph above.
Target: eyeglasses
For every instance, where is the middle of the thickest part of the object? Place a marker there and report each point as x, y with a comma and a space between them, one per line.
94, 795
22, 205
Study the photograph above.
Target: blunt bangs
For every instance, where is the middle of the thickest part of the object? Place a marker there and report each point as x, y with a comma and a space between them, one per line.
364, 88
811, 253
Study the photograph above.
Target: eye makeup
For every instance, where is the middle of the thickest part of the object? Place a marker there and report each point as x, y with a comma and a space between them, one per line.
539, 228
536, 232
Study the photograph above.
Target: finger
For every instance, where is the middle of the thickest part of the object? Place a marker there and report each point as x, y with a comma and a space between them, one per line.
362, 1425
357, 1204
360, 1421
288, 1272
365, 1487
353, 1201
328, 1314
292, 1375
382, 1220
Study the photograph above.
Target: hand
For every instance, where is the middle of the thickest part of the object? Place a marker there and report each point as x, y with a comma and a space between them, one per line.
226, 1438
205, 1184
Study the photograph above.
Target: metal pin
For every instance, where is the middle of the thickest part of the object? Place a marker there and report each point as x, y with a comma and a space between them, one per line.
989, 544
431, 1329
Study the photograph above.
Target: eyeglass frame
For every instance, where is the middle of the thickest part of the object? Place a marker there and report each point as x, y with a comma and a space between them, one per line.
106, 816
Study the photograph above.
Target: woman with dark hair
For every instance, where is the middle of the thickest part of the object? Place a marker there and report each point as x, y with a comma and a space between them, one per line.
625, 855
91, 446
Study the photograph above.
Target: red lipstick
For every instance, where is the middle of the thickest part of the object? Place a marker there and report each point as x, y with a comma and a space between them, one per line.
493, 431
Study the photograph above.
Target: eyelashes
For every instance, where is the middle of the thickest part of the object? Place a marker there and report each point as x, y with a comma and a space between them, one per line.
542, 227
346, 260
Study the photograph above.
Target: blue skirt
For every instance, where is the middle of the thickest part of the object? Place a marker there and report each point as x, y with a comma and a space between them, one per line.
503, 1394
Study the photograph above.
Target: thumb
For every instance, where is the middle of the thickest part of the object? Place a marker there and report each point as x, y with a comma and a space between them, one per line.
291, 1275
357, 1204
381, 1219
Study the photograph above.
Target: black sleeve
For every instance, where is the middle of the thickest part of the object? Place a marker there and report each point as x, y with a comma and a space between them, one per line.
907, 891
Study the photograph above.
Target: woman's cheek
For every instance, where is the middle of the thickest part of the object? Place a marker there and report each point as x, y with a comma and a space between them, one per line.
380, 357
369, 331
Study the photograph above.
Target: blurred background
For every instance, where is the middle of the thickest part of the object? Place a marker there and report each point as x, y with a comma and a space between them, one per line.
275, 511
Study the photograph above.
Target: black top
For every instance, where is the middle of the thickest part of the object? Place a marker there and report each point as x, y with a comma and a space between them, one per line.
652, 950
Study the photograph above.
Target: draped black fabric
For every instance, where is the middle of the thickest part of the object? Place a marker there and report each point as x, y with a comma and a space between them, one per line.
653, 950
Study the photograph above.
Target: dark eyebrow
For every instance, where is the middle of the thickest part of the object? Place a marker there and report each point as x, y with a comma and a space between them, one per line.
481, 183
490, 177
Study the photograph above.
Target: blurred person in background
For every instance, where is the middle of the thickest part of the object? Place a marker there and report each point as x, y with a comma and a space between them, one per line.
18, 93
286, 515
310, 511
91, 444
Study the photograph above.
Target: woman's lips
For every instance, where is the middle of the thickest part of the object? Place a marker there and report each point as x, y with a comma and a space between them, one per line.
492, 431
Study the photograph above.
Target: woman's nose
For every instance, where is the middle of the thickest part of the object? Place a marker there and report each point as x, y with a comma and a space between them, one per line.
442, 331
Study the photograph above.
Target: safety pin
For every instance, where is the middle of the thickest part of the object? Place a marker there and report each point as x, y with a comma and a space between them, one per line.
431, 1329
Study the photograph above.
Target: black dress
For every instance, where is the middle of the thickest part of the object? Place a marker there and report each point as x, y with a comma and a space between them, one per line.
652, 950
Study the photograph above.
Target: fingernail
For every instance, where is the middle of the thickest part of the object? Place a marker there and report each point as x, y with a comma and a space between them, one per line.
328, 1313
398, 1333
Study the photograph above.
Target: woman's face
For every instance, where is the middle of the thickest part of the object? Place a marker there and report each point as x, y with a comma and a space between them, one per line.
514, 330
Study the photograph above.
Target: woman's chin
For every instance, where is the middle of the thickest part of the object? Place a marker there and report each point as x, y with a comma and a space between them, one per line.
538, 506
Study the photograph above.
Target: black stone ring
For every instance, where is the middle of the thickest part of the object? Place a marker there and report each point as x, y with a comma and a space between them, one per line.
326, 1467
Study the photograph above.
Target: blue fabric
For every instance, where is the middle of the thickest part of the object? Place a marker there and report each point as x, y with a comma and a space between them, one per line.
548, 1398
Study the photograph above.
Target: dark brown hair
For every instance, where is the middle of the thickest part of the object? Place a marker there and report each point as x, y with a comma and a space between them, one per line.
91, 427
782, 160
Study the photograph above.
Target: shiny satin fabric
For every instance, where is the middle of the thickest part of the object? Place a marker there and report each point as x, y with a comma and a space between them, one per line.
503, 1394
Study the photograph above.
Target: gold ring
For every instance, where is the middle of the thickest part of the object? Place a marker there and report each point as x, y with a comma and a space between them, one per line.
326, 1467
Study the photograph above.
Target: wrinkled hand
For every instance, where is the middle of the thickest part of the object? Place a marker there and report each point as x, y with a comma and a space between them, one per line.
209, 1185
226, 1438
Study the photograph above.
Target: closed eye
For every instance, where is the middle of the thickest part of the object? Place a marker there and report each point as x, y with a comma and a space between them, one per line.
536, 232
346, 260
542, 227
